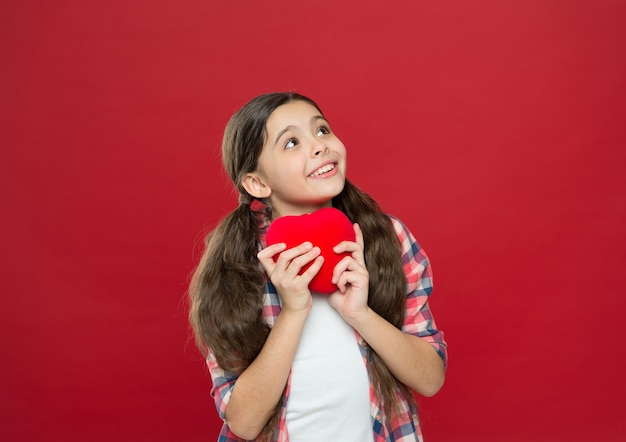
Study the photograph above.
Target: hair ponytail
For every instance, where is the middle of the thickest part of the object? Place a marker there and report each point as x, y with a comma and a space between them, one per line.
387, 281
227, 292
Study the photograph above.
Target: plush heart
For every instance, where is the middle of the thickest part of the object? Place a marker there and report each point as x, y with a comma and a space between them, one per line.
324, 228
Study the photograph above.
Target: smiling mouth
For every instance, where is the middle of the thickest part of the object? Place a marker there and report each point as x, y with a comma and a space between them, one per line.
322, 170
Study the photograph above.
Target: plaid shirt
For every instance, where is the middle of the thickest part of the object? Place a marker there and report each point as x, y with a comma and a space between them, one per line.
404, 427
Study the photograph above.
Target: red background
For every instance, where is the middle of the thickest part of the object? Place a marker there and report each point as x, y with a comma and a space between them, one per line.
494, 129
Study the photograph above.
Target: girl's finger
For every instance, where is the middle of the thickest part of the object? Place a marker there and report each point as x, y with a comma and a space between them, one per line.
292, 268
359, 235
315, 267
294, 252
287, 263
355, 248
354, 276
266, 256
347, 265
272, 250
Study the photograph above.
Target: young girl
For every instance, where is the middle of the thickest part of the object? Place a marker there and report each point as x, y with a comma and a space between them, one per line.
288, 364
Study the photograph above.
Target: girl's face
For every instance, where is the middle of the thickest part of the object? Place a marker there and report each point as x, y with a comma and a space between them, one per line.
302, 165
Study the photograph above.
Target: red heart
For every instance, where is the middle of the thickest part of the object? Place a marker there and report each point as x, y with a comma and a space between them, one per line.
324, 228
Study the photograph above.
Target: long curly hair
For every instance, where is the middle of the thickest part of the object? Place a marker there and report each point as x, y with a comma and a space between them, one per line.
227, 288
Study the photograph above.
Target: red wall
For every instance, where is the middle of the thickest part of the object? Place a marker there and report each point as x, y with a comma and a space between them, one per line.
495, 130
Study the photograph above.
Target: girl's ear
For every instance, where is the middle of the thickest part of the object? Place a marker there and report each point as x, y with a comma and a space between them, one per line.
255, 186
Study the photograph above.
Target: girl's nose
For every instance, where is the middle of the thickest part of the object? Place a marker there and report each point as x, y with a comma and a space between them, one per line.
319, 149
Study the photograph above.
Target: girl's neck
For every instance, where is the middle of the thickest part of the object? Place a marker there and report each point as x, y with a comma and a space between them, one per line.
293, 210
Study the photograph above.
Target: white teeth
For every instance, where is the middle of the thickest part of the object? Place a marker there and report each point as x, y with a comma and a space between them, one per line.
324, 169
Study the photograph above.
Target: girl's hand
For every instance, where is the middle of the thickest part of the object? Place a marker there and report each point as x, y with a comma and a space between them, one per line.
284, 273
352, 279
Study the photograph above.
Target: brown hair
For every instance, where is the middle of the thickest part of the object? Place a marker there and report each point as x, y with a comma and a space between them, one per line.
232, 326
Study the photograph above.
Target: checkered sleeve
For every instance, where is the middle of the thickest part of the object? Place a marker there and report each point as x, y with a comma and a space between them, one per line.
419, 320
223, 383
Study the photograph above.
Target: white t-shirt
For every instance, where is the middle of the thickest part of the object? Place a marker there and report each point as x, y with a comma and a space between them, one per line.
329, 397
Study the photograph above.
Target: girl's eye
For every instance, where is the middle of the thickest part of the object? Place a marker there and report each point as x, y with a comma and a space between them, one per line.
291, 143
323, 130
